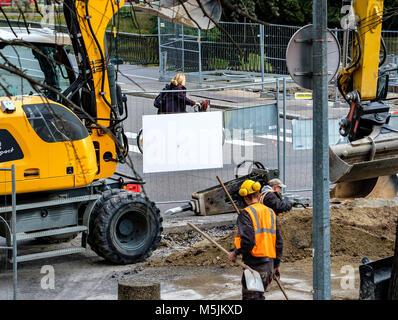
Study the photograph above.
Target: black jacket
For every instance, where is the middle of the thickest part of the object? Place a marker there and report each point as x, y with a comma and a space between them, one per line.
272, 200
246, 232
175, 102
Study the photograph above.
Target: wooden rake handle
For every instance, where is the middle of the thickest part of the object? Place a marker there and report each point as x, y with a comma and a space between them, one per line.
228, 195
240, 263
280, 287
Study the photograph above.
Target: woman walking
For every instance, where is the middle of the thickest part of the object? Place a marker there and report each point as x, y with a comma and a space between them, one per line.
176, 102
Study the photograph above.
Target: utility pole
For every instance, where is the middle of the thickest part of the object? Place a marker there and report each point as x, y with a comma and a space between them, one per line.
321, 211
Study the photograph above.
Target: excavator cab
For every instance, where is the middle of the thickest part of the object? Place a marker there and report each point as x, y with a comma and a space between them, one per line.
47, 142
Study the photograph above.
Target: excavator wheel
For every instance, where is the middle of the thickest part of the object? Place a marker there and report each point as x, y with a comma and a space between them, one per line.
106, 195
127, 228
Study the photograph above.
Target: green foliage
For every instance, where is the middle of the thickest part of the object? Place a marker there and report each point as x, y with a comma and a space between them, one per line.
213, 34
253, 63
299, 12
217, 64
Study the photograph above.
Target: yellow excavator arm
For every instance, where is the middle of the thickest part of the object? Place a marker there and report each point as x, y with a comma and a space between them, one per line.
370, 13
368, 163
93, 18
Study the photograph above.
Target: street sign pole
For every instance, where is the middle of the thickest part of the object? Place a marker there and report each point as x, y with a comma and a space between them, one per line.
321, 211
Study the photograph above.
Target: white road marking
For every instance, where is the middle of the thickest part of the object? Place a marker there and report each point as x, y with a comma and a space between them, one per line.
274, 137
133, 148
131, 135
136, 76
243, 143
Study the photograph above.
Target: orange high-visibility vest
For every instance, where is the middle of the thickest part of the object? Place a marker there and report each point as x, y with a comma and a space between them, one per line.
264, 223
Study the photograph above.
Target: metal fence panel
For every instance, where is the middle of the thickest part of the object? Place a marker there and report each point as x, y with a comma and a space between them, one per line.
261, 120
302, 136
249, 134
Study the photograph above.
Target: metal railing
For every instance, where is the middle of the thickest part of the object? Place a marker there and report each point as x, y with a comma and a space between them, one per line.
262, 133
12, 231
245, 118
236, 48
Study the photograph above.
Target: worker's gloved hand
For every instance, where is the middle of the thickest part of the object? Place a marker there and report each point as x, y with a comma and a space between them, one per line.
232, 256
297, 204
277, 272
293, 203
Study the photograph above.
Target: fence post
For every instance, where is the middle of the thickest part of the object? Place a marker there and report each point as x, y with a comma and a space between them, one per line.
320, 155
200, 57
14, 233
262, 56
284, 131
161, 62
336, 103
183, 48
278, 127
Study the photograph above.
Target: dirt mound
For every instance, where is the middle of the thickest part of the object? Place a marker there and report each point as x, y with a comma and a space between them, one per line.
355, 232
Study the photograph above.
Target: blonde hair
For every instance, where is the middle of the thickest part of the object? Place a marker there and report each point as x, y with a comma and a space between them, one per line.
178, 79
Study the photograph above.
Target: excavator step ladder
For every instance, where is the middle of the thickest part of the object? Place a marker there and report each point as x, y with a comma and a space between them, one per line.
52, 253
59, 219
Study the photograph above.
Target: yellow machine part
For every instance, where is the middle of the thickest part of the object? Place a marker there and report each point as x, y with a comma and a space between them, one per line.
100, 12
44, 166
369, 29
355, 172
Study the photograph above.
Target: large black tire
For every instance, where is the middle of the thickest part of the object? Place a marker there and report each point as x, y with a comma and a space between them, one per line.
127, 229
106, 195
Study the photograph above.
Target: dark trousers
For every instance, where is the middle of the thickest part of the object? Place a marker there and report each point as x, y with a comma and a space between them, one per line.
265, 270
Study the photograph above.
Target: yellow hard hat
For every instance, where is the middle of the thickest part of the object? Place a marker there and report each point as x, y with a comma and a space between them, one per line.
249, 187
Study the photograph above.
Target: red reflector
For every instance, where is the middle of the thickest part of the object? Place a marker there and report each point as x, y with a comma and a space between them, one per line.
133, 187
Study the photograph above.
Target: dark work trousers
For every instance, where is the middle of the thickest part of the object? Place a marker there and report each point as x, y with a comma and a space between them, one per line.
265, 270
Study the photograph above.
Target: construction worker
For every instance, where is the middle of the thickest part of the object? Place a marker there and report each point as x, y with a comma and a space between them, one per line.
272, 198
258, 239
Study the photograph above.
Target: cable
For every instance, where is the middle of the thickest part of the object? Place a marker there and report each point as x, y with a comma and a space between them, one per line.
359, 52
383, 45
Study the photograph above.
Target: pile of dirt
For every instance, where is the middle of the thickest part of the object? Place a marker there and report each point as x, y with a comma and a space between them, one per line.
355, 232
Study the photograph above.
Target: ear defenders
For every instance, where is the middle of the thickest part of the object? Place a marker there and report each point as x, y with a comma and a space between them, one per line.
249, 187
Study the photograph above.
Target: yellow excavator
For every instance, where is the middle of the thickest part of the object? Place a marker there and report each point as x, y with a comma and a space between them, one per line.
366, 165
63, 131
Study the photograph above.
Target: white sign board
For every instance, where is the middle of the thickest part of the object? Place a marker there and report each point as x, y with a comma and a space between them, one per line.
183, 141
